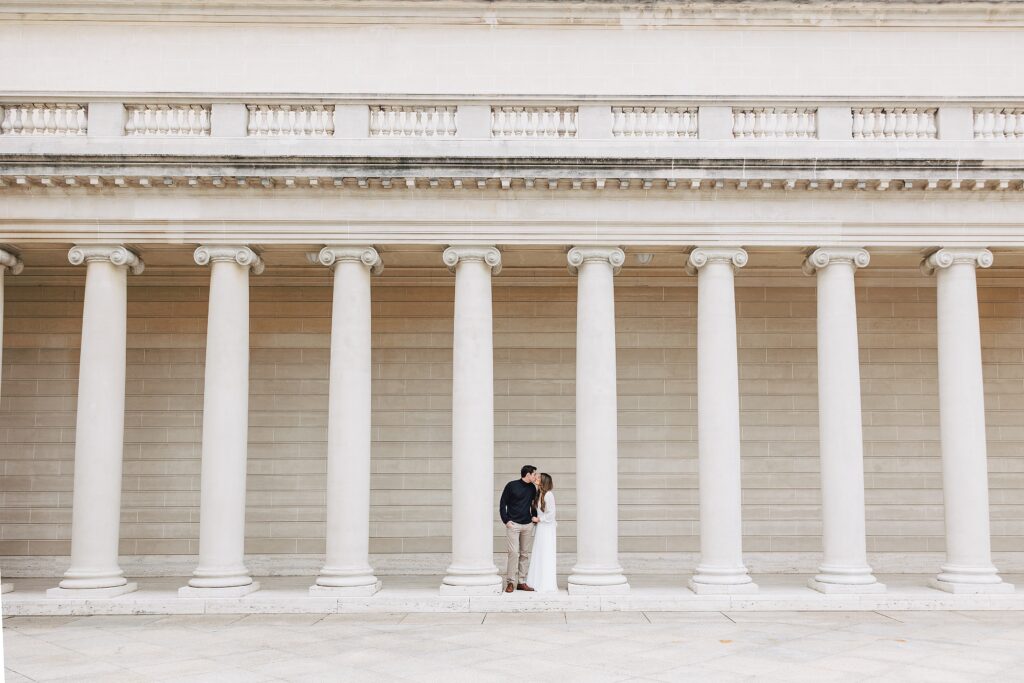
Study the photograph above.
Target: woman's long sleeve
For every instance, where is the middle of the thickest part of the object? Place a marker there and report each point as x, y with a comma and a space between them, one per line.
547, 515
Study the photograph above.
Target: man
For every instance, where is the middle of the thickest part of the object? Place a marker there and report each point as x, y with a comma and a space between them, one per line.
517, 514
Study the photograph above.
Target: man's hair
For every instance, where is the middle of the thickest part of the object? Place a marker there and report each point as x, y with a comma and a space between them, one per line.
527, 469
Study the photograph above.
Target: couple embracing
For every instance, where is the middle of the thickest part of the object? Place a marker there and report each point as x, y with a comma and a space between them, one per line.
527, 509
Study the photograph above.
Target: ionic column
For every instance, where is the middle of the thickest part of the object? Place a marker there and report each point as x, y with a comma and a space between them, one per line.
99, 426
8, 261
844, 568
721, 568
597, 567
472, 569
347, 569
968, 567
221, 571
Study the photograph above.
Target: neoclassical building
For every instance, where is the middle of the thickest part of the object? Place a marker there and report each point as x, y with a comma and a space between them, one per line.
294, 288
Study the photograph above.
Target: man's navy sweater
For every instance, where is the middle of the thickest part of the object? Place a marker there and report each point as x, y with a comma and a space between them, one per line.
516, 503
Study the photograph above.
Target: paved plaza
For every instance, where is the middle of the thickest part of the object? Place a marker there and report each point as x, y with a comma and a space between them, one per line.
551, 646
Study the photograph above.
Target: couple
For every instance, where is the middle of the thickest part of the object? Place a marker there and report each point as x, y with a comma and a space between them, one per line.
527, 508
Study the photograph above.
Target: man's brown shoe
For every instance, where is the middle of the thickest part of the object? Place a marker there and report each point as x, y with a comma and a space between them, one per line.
523, 587
509, 587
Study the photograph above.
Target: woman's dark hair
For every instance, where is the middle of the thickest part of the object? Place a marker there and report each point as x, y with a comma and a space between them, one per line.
546, 484
527, 469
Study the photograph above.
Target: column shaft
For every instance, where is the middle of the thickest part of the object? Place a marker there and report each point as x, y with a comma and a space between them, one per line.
347, 569
968, 566
721, 568
844, 568
7, 261
472, 569
597, 568
99, 425
221, 570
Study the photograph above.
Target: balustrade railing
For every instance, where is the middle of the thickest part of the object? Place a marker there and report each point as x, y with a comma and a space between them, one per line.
775, 122
44, 119
291, 120
654, 122
398, 121
902, 123
167, 119
533, 122
999, 124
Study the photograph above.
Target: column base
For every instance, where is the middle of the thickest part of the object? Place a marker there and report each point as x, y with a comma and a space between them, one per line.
363, 591
845, 588
468, 579
78, 593
222, 592
721, 588
587, 589
6, 587
971, 588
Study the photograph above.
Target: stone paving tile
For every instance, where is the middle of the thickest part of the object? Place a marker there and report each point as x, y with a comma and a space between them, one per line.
591, 647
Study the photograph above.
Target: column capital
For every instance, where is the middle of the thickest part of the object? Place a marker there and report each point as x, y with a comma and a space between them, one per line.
823, 257
11, 262
701, 256
115, 253
240, 254
488, 254
331, 255
582, 254
946, 257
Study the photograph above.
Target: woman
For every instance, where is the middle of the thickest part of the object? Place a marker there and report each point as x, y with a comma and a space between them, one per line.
541, 575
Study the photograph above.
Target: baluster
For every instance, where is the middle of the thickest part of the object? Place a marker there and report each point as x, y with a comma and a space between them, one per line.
617, 121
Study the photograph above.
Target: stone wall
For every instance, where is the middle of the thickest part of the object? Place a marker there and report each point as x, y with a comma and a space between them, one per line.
534, 399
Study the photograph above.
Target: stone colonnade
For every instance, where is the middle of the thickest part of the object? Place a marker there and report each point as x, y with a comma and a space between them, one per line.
221, 570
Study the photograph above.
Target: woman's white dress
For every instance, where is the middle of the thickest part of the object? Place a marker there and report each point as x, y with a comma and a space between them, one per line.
541, 576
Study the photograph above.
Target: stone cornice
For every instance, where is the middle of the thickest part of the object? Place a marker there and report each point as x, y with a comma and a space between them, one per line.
114, 253
21, 173
487, 254
584, 13
946, 257
826, 256
331, 255
9, 261
701, 256
579, 255
219, 253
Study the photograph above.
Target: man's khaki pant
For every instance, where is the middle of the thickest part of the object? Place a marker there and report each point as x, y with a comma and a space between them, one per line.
520, 543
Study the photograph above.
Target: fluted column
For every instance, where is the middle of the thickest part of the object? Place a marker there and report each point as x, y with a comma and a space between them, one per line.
347, 568
721, 568
472, 569
968, 567
221, 571
844, 568
8, 261
597, 567
99, 425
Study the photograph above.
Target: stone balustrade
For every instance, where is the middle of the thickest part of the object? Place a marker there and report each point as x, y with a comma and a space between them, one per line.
901, 123
999, 124
775, 122
398, 121
533, 122
478, 121
44, 119
290, 120
654, 122
167, 119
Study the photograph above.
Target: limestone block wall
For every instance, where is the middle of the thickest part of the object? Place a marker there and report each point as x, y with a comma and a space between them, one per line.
534, 399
